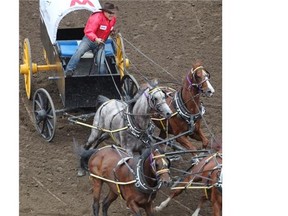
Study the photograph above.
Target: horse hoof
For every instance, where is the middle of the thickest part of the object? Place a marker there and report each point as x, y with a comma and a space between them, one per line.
81, 173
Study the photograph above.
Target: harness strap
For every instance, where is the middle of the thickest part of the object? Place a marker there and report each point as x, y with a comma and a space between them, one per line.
193, 71
143, 135
112, 181
159, 172
206, 193
119, 191
99, 128
191, 187
184, 112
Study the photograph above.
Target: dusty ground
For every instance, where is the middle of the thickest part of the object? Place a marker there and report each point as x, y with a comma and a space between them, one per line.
172, 34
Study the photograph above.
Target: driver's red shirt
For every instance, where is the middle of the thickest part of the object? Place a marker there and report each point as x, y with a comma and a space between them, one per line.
99, 26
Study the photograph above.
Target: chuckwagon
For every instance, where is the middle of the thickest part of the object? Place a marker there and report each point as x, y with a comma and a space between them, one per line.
82, 89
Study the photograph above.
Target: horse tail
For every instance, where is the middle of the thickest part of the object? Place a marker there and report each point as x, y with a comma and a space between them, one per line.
83, 154
101, 99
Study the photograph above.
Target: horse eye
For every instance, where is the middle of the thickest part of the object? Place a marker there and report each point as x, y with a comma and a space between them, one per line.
157, 165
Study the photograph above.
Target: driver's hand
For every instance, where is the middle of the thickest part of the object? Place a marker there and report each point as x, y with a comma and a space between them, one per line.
99, 41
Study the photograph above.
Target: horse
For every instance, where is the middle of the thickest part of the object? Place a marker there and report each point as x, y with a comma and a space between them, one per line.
136, 179
129, 128
187, 108
208, 174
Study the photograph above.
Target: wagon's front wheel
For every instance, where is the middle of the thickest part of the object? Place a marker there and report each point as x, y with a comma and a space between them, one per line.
129, 87
44, 114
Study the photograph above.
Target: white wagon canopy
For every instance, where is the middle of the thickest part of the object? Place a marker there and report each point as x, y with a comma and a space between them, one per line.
53, 11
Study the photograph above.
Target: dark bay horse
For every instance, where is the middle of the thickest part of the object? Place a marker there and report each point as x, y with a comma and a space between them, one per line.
207, 175
136, 179
187, 108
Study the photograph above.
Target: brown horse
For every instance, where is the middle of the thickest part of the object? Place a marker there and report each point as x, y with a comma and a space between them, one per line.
187, 108
136, 179
207, 174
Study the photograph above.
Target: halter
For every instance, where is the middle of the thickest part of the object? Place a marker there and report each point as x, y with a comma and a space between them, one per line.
197, 85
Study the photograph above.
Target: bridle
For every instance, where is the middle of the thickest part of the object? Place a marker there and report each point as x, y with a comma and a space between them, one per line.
165, 164
152, 101
195, 84
141, 183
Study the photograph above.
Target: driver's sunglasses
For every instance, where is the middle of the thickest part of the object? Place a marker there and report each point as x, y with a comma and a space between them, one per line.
110, 12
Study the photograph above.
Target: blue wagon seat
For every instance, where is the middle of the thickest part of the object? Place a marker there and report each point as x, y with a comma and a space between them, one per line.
67, 48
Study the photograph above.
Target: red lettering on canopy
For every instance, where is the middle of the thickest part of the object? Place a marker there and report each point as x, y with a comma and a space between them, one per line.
83, 2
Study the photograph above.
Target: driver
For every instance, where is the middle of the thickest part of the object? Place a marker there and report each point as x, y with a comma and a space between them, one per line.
98, 28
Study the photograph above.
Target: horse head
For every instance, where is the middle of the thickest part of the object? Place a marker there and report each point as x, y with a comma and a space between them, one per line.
199, 78
160, 165
157, 99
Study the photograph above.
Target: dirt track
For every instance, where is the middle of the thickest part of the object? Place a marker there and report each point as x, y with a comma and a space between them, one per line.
173, 34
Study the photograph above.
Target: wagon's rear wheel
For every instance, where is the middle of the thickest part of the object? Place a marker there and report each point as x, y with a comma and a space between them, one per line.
129, 87
44, 114
27, 67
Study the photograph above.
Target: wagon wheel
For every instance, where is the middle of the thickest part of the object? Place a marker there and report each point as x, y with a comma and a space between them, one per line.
44, 114
121, 60
26, 68
129, 87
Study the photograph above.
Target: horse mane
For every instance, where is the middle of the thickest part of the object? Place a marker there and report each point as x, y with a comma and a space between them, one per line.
146, 153
143, 87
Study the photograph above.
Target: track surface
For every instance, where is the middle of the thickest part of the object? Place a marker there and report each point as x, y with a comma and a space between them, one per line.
173, 34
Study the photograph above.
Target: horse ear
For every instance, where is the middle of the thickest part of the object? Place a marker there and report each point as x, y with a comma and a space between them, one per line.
154, 83
197, 63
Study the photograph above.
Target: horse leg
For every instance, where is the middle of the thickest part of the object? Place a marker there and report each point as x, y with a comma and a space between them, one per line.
202, 200
97, 186
184, 141
95, 134
216, 209
165, 203
163, 135
174, 192
216, 200
149, 210
134, 208
200, 136
111, 197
